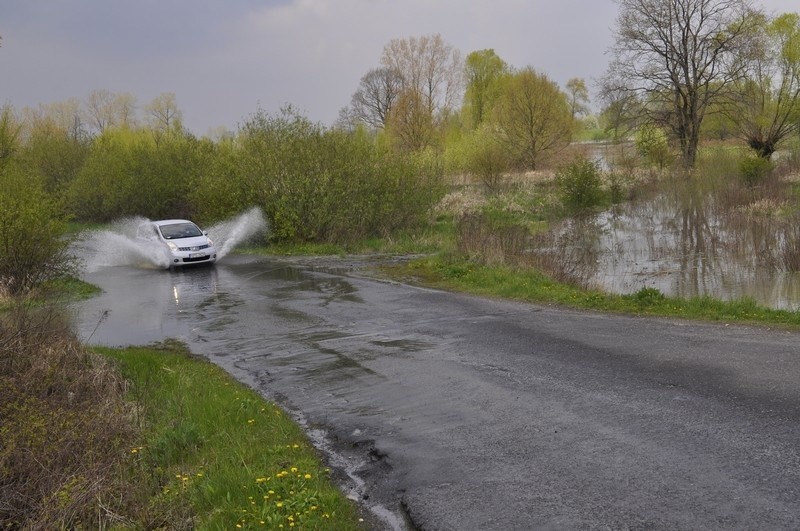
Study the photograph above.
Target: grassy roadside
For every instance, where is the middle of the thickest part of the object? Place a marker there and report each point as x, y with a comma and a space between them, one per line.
529, 285
146, 438
213, 453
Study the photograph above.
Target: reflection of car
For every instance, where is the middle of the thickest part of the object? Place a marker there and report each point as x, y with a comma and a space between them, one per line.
186, 243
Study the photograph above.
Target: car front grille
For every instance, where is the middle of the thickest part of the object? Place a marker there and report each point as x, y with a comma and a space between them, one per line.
195, 248
198, 259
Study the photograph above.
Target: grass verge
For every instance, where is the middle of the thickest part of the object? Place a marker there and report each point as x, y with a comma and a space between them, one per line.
532, 286
214, 455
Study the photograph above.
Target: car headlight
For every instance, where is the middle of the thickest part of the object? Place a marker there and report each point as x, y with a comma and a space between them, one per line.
210, 241
172, 246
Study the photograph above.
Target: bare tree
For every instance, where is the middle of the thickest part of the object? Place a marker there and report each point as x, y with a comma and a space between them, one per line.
163, 113
375, 96
105, 109
428, 66
680, 57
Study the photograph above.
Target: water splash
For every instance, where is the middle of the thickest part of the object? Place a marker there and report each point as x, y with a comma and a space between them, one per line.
118, 245
228, 234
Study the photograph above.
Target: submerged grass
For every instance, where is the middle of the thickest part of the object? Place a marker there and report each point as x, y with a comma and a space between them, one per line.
214, 455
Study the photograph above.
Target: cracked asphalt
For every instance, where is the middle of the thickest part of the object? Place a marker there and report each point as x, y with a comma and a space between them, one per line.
450, 412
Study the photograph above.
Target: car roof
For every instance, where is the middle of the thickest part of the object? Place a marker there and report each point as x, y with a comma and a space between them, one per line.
163, 222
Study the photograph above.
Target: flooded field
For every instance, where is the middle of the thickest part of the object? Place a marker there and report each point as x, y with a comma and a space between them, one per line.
686, 250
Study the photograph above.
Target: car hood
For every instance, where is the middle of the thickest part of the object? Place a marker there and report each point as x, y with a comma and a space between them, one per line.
195, 241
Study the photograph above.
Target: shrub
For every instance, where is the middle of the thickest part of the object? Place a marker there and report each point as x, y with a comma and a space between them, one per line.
317, 185
753, 170
580, 185
32, 244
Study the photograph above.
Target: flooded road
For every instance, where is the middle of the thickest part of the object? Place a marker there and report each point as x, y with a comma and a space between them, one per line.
464, 413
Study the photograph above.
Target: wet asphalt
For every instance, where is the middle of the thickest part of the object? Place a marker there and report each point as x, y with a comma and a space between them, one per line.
451, 412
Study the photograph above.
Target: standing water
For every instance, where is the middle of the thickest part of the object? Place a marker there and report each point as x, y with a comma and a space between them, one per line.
118, 245
686, 251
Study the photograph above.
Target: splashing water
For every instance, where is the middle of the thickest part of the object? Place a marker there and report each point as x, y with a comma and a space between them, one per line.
118, 245
228, 234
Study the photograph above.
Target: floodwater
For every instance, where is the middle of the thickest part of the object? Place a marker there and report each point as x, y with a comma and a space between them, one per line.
686, 251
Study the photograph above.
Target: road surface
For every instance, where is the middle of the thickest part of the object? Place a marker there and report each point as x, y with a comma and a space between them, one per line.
452, 412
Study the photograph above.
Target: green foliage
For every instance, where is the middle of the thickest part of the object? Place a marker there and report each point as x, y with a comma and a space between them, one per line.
32, 247
54, 153
533, 118
485, 158
9, 135
319, 185
483, 71
652, 145
580, 185
753, 170
648, 296
128, 173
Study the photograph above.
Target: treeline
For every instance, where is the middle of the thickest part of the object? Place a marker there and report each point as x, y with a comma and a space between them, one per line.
313, 183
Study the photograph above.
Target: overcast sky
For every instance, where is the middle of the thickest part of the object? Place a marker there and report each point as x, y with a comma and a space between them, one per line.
225, 59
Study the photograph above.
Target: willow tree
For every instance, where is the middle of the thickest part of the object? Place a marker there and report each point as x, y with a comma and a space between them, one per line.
483, 70
680, 57
766, 107
532, 117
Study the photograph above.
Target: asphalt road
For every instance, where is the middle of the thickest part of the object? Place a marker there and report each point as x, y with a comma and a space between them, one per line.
452, 412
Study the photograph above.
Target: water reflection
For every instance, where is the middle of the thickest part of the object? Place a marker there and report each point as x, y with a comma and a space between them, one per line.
681, 247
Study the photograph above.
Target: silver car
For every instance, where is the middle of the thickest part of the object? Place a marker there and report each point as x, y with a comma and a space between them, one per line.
185, 243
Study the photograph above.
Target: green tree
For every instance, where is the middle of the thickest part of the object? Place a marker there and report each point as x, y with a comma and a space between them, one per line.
131, 173
680, 56
56, 144
410, 123
32, 246
578, 97
483, 72
532, 117
766, 107
9, 134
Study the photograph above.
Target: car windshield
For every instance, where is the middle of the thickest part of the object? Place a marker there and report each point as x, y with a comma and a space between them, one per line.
180, 230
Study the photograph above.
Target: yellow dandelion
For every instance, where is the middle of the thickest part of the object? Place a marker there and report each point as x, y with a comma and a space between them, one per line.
294, 470
278, 504
261, 480
307, 476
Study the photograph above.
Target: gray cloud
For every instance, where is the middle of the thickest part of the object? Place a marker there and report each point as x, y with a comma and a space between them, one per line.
224, 60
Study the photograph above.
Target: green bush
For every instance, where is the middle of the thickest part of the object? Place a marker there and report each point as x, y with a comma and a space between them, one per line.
318, 185
32, 244
132, 173
752, 170
580, 185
